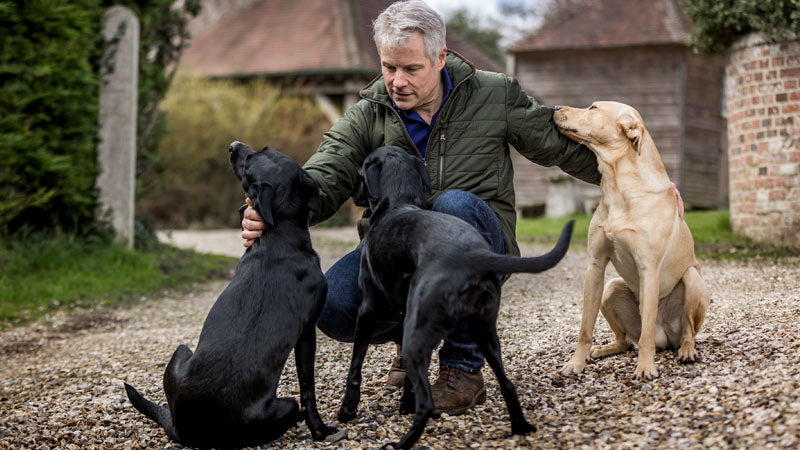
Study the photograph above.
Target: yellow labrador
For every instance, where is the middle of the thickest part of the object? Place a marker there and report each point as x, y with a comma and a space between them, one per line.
660, 301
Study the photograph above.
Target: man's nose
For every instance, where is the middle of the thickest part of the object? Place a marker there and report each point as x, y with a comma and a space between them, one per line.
400, 80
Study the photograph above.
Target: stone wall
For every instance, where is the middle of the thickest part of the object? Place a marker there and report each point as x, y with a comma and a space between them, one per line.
762, 94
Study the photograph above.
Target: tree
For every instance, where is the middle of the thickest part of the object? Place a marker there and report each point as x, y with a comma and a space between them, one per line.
486, 40
548, 10
718, 23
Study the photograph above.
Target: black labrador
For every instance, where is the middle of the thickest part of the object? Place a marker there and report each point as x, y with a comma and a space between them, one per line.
438, 271
224, 394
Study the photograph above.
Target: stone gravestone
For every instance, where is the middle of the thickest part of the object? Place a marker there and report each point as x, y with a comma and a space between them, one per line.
116, 151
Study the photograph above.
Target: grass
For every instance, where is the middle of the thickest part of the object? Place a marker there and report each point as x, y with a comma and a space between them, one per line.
711, 231
65, 273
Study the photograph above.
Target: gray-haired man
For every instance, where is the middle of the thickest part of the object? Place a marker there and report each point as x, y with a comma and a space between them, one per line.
461, 122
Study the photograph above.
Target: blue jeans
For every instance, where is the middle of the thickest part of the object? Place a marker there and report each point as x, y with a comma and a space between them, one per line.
338, 318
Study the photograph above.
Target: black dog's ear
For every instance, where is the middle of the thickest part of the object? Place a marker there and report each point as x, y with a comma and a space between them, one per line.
309, 190
262, 194
369, 183
423, 174
361, 196
372, 178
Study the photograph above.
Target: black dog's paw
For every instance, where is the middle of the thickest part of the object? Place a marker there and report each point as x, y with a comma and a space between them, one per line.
391, 445
338, 436
522, 428
345, 415
324, 433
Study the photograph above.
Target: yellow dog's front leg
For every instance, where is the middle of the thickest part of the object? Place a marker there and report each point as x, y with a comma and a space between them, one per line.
592, 293
648, 308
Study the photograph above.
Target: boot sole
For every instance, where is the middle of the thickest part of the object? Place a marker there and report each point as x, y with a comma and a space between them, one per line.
478, 400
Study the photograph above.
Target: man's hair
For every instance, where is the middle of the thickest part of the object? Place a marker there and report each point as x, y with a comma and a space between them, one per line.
401, 19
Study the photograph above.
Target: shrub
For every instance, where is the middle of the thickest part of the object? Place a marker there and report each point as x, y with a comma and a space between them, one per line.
194, 185
718, 23
48, 114
49, 87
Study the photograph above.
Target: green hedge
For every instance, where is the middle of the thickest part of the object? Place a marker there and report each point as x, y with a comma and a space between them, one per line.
49, 87
48, 114
718, 23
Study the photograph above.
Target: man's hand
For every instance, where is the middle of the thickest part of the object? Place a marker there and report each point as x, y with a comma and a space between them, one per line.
674, 188
252, 224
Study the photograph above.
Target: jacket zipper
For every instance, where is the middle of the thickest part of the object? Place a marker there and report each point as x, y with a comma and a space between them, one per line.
442, 148
441, 137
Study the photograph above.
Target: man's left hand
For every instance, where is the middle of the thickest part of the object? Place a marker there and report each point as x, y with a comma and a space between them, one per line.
679, 199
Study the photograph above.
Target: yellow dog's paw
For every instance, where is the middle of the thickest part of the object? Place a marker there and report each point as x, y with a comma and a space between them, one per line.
687, 354
573, 367
645, 372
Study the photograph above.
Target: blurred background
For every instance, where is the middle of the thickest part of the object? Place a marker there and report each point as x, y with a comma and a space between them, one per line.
280, 72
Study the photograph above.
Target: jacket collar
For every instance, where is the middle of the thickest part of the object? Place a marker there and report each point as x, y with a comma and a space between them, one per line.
457, 66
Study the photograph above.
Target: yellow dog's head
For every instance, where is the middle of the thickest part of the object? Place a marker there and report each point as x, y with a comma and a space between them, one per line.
608, 128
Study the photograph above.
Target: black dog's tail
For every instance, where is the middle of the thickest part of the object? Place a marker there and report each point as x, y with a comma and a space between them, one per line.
156, 413
512, 264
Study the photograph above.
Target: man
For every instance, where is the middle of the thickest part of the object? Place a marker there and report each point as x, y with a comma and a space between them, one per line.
435, 105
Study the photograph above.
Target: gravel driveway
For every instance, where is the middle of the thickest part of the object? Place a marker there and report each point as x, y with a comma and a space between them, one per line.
61, 378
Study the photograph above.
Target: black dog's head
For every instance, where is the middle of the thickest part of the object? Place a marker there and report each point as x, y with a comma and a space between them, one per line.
390, 173
275, 183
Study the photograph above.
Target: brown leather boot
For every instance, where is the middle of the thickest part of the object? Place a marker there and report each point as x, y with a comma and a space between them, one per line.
456, 391
397, 373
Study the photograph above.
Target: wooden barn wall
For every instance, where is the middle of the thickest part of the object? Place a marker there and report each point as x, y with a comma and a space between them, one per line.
646, 78
703, 156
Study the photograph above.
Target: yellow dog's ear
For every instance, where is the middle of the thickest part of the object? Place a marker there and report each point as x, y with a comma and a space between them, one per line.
633, 130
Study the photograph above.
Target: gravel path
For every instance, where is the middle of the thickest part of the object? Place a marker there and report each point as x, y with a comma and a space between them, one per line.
61, 378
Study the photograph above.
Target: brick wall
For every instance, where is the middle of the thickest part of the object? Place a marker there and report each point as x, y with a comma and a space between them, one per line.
762, 94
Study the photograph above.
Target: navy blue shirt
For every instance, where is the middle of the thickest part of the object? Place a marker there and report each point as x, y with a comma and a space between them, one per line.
416, 126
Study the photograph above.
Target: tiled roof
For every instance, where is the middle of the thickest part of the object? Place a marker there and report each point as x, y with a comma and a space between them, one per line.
279, 37
612, 23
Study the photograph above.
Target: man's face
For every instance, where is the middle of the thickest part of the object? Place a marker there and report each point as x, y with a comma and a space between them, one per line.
411, 79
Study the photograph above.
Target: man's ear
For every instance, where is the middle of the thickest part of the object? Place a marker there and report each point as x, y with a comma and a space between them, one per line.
423, 174
309, 191
633, 130
261, 194
442, 59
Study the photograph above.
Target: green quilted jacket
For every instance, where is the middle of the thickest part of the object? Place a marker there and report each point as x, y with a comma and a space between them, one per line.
468, 148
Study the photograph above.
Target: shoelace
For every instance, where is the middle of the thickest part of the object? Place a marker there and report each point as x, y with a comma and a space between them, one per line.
446, 375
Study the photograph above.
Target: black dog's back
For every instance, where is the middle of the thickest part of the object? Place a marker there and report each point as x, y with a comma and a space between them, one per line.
442, 243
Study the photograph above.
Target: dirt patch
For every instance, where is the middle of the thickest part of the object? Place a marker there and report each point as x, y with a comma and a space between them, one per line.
99, 318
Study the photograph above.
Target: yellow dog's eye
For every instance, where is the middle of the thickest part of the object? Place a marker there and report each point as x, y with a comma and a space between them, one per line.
593, 107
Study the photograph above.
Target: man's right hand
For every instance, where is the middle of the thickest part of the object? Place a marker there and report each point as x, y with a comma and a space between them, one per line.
252, 224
